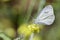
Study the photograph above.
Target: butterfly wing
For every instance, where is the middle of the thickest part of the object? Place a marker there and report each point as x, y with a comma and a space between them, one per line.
46, 16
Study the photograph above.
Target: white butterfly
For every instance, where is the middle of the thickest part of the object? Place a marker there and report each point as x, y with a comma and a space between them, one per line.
46, 16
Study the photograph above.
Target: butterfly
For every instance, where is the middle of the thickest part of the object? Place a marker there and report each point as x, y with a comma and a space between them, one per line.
46, 16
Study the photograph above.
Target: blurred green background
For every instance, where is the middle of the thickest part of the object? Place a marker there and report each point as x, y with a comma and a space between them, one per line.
23, 11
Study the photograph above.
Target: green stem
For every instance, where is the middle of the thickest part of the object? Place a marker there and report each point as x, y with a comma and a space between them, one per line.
40, 7
30, 8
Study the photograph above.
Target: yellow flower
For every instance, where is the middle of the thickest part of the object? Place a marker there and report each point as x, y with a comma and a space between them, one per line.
34, 28
27, 29
23, 29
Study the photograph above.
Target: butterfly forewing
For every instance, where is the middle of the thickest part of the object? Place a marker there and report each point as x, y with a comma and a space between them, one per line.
46, 16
